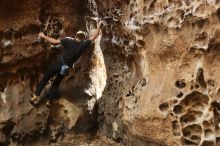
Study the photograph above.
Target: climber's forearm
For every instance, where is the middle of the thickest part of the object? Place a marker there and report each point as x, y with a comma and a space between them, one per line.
51, 40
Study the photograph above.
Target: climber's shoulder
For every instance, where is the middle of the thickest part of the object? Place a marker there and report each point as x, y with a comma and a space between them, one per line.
86, 43
64, 41
67, 39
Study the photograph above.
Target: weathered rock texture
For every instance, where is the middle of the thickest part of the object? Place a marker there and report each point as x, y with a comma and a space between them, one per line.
156, 60
23, 60
162, 71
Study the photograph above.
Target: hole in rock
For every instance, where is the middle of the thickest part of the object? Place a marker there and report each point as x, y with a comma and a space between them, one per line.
3, 85
200, 23
200, 78
191, 87
187, 119
65, 111
119, 140
196, 99
195, 138
131, 15
208, 133
180, 84
211, 83
140, 43
126, 42
216, 121
218, 13
143, 82
152, 6
187, 2
175, 101
206, 124
188, 142
208, 143
164, 106
129, 94
196, 86
216, 105
194, 129
178, 109
179, 95
187, 133
190, 117
175, 125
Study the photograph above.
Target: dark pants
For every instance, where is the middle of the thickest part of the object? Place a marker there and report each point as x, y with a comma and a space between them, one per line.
54, 69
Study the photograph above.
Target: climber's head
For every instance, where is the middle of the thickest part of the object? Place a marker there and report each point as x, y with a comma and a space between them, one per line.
80, 35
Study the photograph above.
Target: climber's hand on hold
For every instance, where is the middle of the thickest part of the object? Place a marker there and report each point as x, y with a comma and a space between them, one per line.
39, 39
41, 35
97, 32
99, 24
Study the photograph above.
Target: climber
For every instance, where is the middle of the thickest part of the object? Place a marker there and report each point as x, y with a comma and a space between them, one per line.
72, 50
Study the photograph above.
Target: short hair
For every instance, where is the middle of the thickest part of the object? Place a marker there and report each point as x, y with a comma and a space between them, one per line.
80, 35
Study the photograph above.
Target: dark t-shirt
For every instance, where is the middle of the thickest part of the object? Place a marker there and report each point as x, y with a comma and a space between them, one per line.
72, 49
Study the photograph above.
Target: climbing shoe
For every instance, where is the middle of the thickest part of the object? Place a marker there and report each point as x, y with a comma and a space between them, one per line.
34, 99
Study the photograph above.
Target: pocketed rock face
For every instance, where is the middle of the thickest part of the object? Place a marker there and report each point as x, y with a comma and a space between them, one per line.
162, 68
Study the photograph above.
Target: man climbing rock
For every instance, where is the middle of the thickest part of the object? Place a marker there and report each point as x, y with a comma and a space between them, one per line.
72, 50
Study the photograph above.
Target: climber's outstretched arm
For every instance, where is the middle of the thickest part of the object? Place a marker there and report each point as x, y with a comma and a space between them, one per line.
96, 33
49, 39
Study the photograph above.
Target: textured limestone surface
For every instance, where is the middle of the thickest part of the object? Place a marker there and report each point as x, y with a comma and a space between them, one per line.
162, 63
150, 79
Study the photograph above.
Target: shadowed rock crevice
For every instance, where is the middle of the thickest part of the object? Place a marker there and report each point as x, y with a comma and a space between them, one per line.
200, 78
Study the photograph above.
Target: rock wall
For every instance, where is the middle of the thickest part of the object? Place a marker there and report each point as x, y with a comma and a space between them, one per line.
162, 71
23, 60
151, 79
